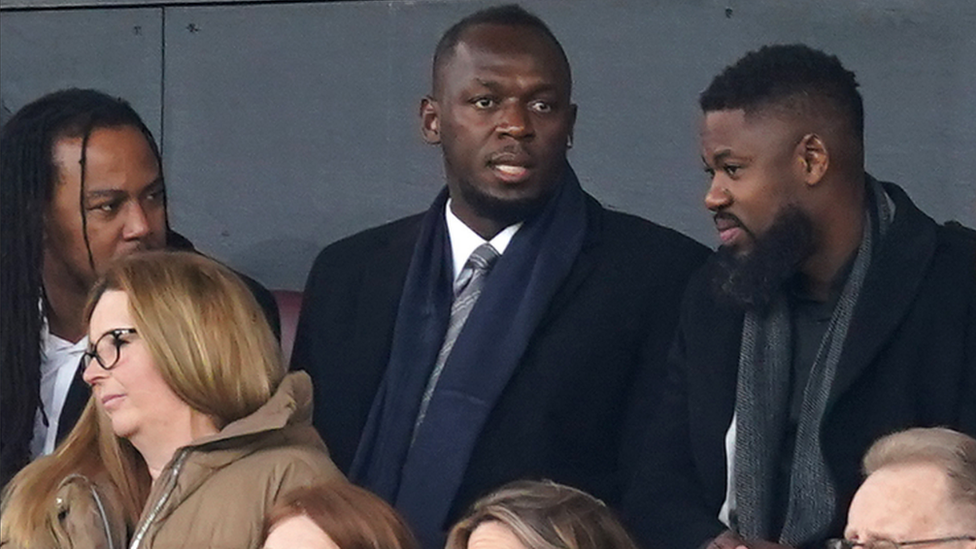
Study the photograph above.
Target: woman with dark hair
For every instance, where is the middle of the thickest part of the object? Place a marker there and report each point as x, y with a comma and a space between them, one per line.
539, 515
335, 515
81, 183
193, 430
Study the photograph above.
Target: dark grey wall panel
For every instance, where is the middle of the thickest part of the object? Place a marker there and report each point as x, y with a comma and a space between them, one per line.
291, 125
118, 51
915, 64
284, 130
640, 66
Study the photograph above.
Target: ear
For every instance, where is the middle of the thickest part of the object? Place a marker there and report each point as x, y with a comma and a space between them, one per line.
430, 122
814, 158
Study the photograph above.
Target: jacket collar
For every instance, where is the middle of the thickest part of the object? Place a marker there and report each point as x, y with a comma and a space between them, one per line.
290, 404
895, 275
285, 420
585, 263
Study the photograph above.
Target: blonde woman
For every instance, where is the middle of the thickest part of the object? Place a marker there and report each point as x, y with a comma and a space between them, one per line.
539, 515
193, 429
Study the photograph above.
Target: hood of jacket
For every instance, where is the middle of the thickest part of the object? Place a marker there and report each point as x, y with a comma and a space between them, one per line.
284, 421
287, 413
280, 428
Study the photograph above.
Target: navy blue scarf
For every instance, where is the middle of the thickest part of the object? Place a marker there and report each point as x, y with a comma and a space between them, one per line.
422, 480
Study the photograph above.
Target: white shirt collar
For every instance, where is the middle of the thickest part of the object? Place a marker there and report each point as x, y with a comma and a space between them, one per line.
464, 240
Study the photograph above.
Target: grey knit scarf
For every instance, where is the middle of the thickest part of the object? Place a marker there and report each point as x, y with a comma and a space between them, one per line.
762, 406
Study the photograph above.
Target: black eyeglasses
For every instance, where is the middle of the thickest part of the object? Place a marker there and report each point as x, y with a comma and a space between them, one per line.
106, 349
888, 544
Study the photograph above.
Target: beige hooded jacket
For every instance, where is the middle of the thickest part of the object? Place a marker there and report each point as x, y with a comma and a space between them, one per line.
214, 493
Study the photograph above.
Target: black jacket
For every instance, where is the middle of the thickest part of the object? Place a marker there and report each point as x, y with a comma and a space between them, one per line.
909, 360
582, 393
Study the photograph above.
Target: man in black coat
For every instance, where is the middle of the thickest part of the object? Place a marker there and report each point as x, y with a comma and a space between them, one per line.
835, 312
555, 369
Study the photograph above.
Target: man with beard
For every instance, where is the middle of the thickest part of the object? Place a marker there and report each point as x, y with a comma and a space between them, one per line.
835, 312
515, 330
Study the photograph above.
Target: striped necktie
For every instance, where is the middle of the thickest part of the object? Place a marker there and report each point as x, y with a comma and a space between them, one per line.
467, 288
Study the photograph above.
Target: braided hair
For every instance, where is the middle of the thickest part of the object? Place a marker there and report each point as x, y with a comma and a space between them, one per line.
28, 177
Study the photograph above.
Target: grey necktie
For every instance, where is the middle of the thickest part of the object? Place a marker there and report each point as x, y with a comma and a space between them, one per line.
467, 288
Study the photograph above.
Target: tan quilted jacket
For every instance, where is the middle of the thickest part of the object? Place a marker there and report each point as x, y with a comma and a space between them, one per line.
214, 493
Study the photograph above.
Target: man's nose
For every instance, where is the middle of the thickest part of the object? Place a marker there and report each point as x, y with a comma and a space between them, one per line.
718, 195
515, 121
136, 222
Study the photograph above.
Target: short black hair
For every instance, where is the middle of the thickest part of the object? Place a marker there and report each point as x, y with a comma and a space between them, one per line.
795, 75
511, 15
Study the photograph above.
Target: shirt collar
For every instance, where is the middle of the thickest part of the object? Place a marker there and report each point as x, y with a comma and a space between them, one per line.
53, 347
464, 240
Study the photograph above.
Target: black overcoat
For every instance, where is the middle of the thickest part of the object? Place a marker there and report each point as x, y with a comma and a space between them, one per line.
909, 360
575, 405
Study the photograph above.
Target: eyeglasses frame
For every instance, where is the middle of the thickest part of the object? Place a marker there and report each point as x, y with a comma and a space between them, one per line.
92, 350
839, 543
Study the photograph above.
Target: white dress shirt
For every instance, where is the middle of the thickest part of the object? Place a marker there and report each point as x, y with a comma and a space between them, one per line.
59, 362
464, 241
728, 506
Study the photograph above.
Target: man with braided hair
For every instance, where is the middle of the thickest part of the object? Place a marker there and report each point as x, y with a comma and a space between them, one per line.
81, 183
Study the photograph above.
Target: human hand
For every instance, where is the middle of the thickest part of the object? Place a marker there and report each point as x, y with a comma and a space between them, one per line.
730, 540
726, 540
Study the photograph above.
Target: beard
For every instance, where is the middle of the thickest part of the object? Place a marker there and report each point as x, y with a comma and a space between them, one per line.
505, 211
752, 280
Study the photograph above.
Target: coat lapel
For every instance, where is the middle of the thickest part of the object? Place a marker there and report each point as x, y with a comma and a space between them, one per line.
74, 405
714, 404
885, 299
583, 267
381, 289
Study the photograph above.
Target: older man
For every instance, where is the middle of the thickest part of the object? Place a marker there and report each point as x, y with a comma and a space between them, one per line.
920, 490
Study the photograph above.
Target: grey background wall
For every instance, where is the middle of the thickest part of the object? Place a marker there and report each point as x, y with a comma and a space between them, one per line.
287, 126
